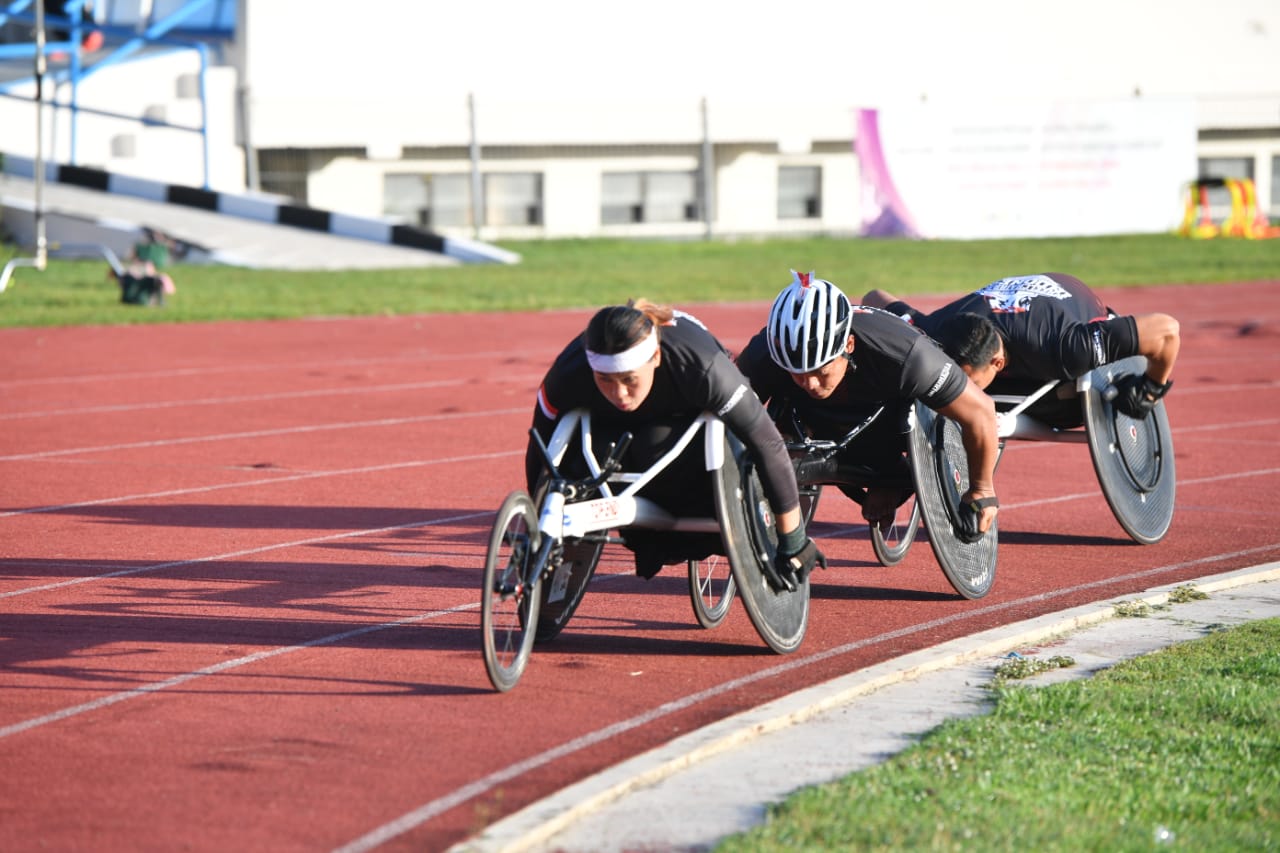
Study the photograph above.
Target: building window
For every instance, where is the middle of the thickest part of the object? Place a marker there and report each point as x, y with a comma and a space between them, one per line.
630, 197
428, 201
513, 198
799, 192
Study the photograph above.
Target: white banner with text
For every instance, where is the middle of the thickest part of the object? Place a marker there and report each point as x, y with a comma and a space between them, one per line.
1045, 169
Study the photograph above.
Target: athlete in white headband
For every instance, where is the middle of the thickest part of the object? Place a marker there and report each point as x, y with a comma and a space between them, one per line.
649, 370
624, 377
629, 359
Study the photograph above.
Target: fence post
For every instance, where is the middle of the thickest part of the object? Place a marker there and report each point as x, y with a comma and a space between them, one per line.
42, 244
477, 214
708, 170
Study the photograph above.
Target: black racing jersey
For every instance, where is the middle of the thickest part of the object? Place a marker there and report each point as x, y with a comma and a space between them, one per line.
695, 375
891, 362
1053, 325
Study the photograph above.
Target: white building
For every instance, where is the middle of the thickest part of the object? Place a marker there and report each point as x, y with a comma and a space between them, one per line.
570, 118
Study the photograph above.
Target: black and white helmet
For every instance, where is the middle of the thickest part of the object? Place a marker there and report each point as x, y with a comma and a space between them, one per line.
808, 324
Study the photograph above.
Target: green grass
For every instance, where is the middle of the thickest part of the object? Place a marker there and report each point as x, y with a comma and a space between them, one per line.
1175, 750
586, 273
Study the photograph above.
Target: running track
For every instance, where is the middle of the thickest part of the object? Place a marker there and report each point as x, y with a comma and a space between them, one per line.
239, 569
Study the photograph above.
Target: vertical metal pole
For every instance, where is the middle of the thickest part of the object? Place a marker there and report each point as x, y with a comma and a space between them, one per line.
708, 170
477, 214
250, 156
245, 27
42, 244
203, 52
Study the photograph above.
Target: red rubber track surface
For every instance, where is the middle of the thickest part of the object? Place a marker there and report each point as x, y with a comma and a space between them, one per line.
240, 569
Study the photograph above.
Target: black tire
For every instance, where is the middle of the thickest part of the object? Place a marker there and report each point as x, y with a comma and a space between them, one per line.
711, 589
562, 590
940, 468
1132, 457
749, 533
508, 613
892, 545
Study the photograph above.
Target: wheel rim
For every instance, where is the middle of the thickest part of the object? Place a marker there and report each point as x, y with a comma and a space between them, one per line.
711, 588
891, 545
1133, 457
508, 611
938, 464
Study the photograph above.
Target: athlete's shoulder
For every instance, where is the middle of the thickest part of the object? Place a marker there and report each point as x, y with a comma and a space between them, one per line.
686, 333
866, 319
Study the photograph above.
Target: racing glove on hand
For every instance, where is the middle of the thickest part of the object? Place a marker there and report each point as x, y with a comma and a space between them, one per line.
1137, 394
796, 557
970, 515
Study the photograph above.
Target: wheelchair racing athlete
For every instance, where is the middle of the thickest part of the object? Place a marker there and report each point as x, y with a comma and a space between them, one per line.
1015, 334
833, 363
651, 371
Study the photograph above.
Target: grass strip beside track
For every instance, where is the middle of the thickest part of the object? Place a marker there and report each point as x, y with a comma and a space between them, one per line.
1179, 748
588, 273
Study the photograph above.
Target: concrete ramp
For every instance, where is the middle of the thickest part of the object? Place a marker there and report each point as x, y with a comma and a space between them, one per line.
85, 208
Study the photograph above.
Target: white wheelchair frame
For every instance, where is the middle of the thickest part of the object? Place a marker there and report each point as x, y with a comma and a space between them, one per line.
743, 521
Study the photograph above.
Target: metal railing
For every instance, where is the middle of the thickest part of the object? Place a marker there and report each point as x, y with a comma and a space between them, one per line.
158, 30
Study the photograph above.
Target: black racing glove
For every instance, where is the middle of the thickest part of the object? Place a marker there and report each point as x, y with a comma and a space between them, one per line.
793, 562
1136, 394
970, 513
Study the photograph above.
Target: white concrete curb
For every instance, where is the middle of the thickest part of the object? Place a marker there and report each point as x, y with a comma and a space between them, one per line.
542, 820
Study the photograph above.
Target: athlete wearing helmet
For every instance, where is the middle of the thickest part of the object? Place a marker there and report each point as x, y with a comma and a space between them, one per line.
1015, 334
649, 370
833, 363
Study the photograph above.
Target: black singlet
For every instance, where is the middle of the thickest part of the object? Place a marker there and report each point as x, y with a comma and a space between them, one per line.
696, 375
1053, 325
891, 362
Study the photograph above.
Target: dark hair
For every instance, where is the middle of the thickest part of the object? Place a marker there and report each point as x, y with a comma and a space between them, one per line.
970, 339
620, 327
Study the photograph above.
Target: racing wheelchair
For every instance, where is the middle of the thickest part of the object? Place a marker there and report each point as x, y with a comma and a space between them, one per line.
543, 549
1132, 457
939, 477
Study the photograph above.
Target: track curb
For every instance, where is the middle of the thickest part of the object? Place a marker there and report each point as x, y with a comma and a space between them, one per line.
542, 820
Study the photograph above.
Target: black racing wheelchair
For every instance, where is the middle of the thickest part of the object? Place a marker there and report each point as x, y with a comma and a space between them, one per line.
1132, 457
938, 479
544, 549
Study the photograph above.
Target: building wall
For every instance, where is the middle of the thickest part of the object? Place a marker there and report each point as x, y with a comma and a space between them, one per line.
336, 98
779, 88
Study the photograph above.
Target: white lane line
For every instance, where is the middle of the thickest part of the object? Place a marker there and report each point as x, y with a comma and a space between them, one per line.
1216, 388
246, 398
262, 433
262, 549
176, 680
427, 811
424, 357
1015, 445
1266, 472
284, 478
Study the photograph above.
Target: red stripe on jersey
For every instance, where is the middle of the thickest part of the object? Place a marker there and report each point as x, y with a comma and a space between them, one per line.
545, 404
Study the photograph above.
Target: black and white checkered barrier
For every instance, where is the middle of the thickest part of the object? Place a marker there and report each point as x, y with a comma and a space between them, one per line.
264, 210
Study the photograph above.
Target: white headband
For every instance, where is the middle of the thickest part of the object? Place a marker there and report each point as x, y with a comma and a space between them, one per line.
627, 360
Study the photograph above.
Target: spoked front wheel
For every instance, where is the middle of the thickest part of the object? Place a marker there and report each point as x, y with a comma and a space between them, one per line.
509, 604
711, 588
891, 544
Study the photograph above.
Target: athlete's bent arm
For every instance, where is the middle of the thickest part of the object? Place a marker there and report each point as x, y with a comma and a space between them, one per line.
878, 298
975, 413
1158, 340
